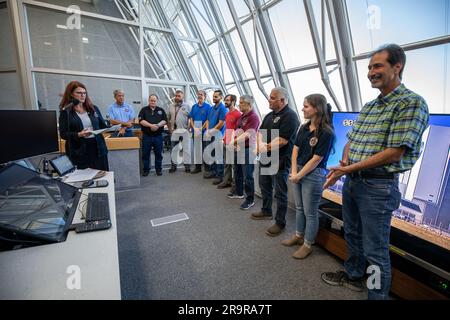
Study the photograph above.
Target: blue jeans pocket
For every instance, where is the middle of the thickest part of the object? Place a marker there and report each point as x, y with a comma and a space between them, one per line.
378, 183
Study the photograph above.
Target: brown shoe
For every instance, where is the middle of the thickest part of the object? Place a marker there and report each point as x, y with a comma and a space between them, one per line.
292, 241
302, 252
261, 216
274, 230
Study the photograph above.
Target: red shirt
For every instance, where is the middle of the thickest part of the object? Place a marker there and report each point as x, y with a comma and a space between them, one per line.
249, 121
231, 120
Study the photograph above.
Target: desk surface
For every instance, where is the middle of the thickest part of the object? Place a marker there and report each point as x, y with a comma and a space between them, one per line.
51, 271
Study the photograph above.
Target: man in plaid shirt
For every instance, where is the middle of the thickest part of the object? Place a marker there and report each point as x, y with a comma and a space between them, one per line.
385, 141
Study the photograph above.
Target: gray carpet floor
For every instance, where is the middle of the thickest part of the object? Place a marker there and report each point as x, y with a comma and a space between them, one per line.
218, 253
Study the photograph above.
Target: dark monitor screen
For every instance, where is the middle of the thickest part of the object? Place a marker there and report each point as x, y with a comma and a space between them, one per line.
27, 133
35, 209
425, 206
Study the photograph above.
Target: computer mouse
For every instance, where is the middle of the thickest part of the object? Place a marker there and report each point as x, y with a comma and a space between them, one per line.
87, 183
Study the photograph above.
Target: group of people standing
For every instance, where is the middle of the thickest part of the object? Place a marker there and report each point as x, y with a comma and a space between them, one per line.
384, 141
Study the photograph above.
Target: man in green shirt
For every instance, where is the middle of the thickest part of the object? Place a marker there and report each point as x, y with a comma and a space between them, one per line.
384, 141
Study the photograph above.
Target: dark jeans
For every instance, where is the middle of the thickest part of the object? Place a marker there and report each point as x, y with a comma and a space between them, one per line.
367, 209
149, 143
266, 183
216, 168
243, 174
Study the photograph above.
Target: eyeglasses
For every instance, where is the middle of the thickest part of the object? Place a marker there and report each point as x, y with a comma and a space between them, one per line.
81, 93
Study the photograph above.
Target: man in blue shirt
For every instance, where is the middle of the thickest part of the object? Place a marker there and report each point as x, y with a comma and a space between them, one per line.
197, 123
216, 130
121, 113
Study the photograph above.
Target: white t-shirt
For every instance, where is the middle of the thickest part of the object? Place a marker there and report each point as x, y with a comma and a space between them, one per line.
87, 123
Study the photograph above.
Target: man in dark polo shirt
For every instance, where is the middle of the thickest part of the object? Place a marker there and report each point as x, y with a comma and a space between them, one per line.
152, 120
285, 120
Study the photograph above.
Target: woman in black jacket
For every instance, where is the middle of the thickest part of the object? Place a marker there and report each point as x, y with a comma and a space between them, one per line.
78, 117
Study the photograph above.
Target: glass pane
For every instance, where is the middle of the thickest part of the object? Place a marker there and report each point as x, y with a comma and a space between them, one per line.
232, 89
7, 45
373, 21
308, 82
159, 49
99, 46
226, 14
330, 52
292, 33
202, 18
257, 51
49, 87
241, 54
10, 83
221, 63
121, 9
428, 63
261, 101
202, 72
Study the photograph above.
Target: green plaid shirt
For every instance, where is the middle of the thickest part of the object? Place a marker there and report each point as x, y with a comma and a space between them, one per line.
396, 120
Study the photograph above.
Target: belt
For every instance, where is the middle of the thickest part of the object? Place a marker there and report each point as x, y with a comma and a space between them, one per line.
372, 175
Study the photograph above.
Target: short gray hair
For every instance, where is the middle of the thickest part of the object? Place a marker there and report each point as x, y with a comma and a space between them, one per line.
179, 91
248, 99
282, 92
117, 91
202, 92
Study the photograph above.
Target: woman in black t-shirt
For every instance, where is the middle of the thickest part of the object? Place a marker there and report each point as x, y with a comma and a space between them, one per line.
312, 147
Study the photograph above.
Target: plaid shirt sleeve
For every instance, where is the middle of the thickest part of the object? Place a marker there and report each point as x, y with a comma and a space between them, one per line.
411, 121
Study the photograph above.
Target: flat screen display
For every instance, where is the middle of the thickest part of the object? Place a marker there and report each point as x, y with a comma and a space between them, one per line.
34, 208
425, 205
27, 133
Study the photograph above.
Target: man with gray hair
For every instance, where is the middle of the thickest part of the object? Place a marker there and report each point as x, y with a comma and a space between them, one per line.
246, 130
285, 121
179, 119
121, 113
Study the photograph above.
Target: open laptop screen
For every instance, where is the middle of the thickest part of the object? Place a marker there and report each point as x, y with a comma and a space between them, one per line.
35, 209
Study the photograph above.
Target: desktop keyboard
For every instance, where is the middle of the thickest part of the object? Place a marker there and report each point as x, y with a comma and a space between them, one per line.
97, 207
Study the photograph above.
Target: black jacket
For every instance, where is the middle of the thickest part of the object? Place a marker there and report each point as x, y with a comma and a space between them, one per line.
69, 126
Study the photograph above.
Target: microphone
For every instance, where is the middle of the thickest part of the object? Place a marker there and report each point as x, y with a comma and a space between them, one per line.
72, 103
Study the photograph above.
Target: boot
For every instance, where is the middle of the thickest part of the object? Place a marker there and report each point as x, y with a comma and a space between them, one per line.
292, 241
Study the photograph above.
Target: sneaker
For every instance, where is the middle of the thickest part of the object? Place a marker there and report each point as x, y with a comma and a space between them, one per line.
208, 175
302, 252
292, 241
261, 216
247, 205
159, 173
172, 169
274, 230
223, 185
234, 196
217, 181
145, 173
340, 278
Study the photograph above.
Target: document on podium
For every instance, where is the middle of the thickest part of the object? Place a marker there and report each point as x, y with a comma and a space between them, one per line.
81, 175
113, 128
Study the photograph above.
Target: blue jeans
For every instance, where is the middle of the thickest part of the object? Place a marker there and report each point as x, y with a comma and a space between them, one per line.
367, 209
266, 183
216, 168
243, 174
149, 143
307, 195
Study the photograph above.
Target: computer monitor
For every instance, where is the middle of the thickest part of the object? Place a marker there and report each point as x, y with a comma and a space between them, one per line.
27, 133
35, 209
